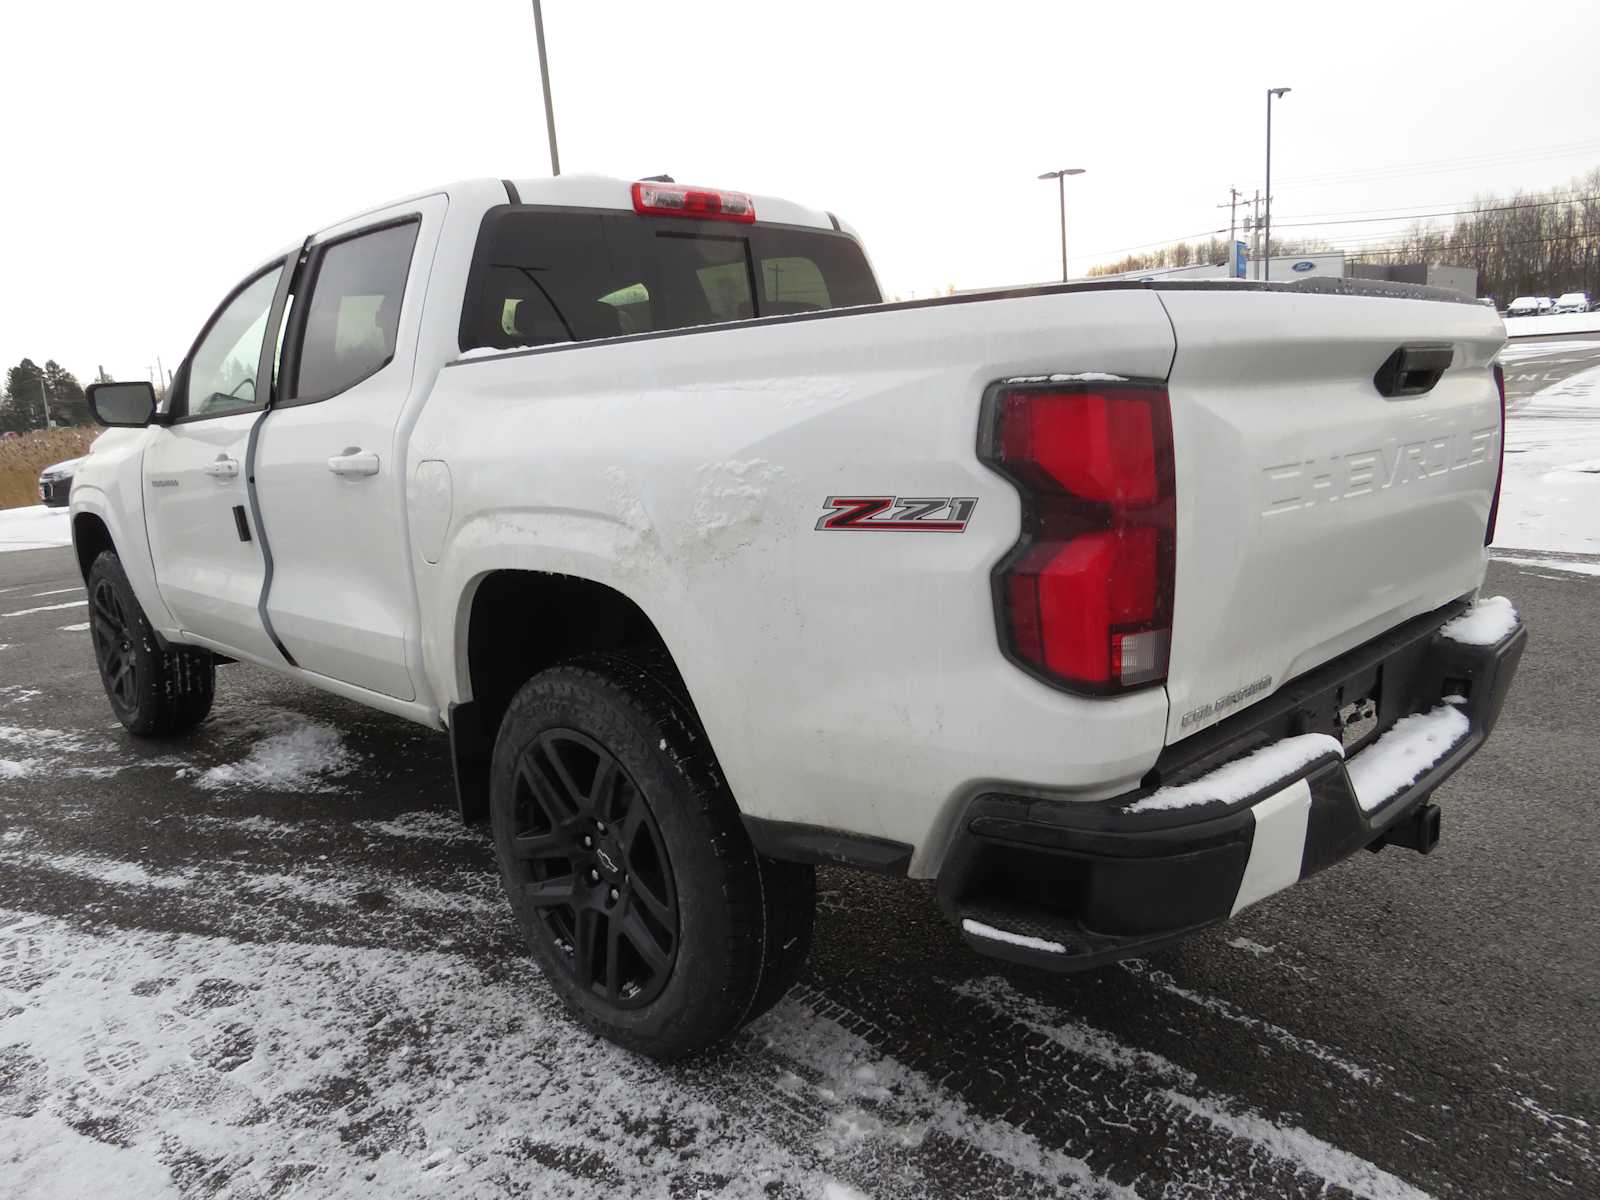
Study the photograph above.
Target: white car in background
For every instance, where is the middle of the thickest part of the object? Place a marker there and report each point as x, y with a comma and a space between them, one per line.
55, 483
1573, 302
1524, 306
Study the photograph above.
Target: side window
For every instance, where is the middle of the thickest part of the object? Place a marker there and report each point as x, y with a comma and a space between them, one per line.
353, 315
222, 370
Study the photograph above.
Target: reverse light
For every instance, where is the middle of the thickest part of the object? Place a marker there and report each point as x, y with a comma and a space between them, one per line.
1084, 600
705, 204
1500, 469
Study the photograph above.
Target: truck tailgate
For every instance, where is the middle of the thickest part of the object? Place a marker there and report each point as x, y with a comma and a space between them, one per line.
1313, 511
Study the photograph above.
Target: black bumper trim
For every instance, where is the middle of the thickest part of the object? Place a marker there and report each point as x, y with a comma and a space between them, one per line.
1105, 883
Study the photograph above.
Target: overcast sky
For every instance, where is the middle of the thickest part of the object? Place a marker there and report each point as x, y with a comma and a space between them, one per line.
154, 152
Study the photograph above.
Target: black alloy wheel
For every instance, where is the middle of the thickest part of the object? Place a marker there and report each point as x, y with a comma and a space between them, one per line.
593, 865
113, 634
156, 689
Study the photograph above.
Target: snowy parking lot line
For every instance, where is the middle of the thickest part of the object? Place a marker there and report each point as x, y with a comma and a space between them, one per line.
28, 612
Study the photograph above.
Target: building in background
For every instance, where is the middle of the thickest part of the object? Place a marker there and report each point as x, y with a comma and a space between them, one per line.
1331, 265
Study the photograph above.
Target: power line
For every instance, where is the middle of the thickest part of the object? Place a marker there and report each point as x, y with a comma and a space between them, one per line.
1158, 242
1456, 213
1394, 208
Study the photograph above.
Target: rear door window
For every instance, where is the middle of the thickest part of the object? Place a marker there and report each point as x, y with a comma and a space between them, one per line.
542, 277
353, 316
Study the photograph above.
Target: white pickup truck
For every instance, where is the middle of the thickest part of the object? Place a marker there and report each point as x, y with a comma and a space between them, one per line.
1111, 608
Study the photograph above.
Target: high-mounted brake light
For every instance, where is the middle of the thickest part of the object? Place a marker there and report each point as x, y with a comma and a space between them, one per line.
674, 200
1084, 600
1500, 469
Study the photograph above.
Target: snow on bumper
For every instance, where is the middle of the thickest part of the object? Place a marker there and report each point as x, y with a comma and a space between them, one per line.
1231, 816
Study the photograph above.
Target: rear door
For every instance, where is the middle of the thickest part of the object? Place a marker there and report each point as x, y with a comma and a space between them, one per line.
1314, 512
208, 561
330, 464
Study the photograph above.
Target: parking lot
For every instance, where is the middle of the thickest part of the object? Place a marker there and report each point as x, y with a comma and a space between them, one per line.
265, 960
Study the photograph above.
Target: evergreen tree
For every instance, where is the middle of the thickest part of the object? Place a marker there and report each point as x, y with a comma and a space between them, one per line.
23, 409
67, 403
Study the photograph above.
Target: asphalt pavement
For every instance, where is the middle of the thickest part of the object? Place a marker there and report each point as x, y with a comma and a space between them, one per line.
261, 960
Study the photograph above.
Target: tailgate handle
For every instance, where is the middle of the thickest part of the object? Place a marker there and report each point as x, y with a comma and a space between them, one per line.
1413, 370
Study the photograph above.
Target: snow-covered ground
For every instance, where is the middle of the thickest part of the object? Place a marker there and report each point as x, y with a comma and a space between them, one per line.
1553, 326
1550, 497
34, 528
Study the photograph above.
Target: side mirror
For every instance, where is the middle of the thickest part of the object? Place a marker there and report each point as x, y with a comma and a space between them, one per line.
128, 404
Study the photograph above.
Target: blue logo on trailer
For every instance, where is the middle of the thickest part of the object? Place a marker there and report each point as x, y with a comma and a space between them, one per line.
1238, 260
1304, 265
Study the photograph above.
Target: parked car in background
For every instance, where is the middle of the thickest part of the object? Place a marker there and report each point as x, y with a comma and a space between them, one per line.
1573, 302
1524, 306
55, 482
1547, 306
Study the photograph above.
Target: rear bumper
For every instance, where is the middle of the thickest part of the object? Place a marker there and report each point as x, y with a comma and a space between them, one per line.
1067, 885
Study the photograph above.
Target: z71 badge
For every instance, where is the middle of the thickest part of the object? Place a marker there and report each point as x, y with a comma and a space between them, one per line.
899, 514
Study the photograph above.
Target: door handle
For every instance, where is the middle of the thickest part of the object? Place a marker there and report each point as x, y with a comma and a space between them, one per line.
354, 461
222, 467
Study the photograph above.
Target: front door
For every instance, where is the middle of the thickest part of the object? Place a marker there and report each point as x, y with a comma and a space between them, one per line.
207, 558
329, 471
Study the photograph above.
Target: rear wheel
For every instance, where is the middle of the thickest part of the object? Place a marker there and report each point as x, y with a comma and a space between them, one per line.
155, 692
626, 862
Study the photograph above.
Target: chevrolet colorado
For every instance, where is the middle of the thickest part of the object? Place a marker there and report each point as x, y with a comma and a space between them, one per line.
1112, 608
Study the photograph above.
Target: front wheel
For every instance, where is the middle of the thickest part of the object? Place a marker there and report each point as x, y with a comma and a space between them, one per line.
155, 691
626, 862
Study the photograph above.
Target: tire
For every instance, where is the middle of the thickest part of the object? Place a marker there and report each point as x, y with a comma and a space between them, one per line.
155, 692
655, 933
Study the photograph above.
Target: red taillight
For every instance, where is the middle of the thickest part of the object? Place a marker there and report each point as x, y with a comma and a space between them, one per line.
672, 200
1500, 468
1085, 598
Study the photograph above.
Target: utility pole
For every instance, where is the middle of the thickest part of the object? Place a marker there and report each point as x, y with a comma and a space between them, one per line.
1234, 196
1279, 93
1253, 228
544, 76
44, 399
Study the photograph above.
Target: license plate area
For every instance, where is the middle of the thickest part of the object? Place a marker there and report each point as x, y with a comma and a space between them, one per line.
1356, 708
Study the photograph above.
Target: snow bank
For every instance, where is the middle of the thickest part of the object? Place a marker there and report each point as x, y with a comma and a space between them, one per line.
1550, 496
1489, 619
1404, 752
1546, 326
1244, 776
34, 528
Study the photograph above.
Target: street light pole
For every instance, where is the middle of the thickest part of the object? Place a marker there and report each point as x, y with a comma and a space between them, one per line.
1267, 264
1061, 187
544, 77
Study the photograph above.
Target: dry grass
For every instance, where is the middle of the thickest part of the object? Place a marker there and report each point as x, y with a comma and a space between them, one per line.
22, 458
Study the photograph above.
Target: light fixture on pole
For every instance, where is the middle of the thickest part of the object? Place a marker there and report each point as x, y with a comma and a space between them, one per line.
1061, 186
1267, 253
544, 77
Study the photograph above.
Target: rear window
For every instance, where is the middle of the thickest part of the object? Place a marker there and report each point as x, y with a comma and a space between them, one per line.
540, 277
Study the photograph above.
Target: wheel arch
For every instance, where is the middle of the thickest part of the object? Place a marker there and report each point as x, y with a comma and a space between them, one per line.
518, 622
91, 537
